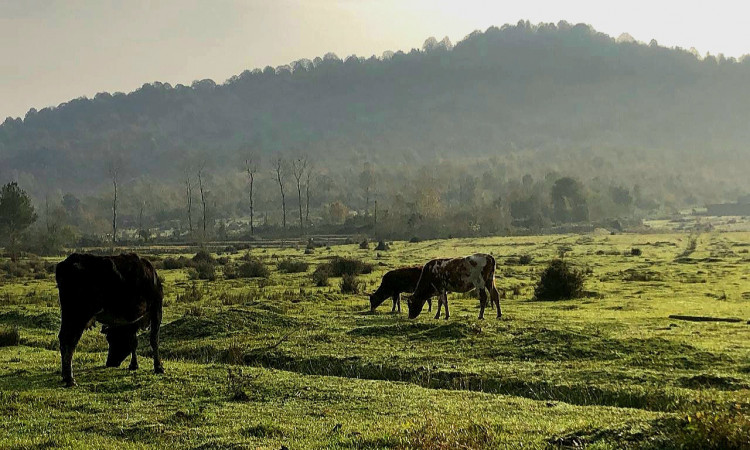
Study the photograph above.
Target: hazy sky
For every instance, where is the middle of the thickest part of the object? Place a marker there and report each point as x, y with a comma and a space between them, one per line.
52, 51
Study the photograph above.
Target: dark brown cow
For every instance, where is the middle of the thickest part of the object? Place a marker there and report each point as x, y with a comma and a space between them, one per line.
441, 276
393, 284
122, 292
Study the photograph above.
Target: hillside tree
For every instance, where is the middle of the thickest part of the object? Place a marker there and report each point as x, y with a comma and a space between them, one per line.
279, 166
251, 168
299, 166
16, 215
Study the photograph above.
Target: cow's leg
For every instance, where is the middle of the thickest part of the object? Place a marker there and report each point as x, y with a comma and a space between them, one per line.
69, 336
445, 302
154, 338
133, 361
396, 302
440, 305
429, 305
494, 296
482, 301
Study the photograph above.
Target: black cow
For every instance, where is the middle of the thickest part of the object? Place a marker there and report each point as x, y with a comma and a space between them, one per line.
122, 292
393, 284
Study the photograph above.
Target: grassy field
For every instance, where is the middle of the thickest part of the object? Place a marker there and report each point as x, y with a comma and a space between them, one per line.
278, 362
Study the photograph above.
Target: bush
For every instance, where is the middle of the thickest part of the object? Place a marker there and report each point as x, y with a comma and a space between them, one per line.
635, 252
203, 257
309, 251
350, 284
320, 275
292, 266
312, 244
9, 336
559, 281
223, 261
382, 246
525, 259
253, 269
364, 245
191, 294
175, 263
203, 271
414, 240
339, 266
230, 271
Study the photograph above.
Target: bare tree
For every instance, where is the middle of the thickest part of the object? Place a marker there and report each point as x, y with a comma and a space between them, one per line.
189, 200
251, 167
143, 233
201, 187
114, 173
366, 181
299, 165
279, 165
308, 181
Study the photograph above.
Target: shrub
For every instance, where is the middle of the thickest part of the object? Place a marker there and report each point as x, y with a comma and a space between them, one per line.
194, 311
339, 266
525, 259
223, 261
364, 245
382, 246
320, 275
203, 257
9, 336
248, 257
230, 271
204, 271
350, 284
175, 263
191, 294
714, 428
292, 266
414, 240
559, 281
311, 243
253, 269
635, 252
309, 251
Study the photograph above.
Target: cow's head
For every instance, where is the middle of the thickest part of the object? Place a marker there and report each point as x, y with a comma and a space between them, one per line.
415, 305
376, 300
122, 342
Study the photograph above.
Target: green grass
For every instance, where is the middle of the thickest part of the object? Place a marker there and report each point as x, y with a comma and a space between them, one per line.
266, 362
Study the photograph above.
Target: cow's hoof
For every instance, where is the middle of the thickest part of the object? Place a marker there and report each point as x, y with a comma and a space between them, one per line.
133, 367
70, 383
159, 370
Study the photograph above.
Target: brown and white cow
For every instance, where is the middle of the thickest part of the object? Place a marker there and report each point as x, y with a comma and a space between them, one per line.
441, 276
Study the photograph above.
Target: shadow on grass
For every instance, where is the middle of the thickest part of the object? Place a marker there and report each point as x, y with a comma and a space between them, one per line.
414, 331
47, 320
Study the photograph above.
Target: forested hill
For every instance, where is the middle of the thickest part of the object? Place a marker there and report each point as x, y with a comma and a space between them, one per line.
549, 88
